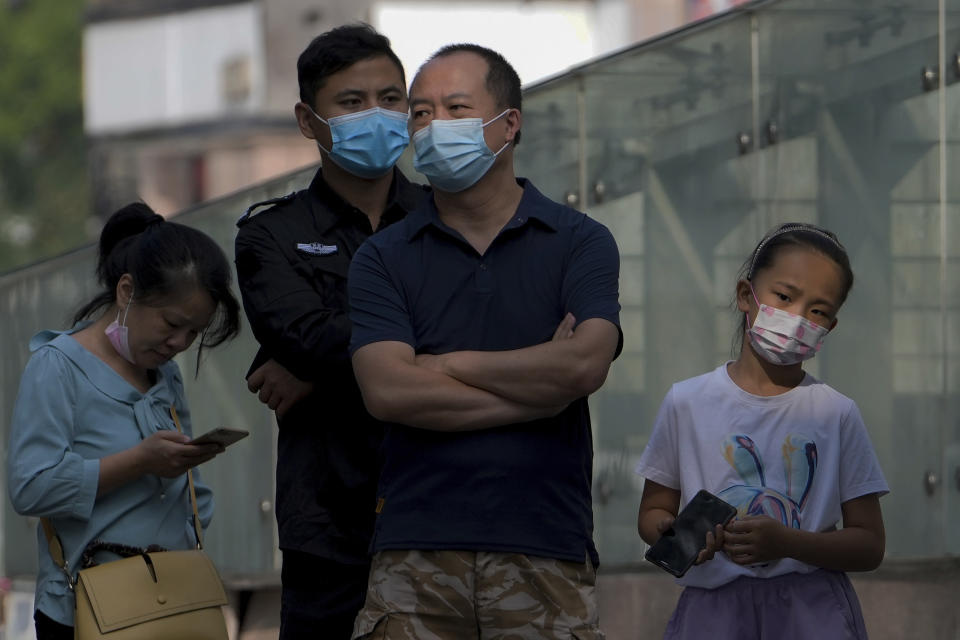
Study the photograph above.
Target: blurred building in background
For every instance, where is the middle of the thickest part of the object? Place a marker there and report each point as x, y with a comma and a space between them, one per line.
188, 100
697, 9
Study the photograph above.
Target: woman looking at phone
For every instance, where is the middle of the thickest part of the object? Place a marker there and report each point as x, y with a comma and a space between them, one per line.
93, 444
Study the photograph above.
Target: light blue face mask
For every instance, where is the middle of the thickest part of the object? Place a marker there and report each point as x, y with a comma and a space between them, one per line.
367, 143
452, 154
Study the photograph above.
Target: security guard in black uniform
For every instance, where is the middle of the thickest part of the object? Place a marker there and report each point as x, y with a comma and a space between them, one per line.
292, 260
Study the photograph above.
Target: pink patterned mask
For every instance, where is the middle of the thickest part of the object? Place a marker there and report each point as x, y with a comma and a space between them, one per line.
781, 337
118, 335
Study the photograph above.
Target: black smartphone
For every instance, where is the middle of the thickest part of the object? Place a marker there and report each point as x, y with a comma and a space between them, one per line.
221, 435
678, 547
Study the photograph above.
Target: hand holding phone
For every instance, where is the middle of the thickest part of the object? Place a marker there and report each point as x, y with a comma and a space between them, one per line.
221, 435
678, 547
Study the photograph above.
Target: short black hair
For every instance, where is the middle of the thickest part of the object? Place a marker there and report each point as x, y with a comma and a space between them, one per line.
337, 49
502, 80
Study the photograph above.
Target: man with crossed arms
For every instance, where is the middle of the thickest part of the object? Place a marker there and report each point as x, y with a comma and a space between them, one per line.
481, 323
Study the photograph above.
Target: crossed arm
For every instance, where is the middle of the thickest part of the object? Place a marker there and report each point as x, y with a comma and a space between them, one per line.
468, 390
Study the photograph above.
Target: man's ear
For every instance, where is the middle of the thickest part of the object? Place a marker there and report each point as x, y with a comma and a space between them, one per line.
305, 120
514, 121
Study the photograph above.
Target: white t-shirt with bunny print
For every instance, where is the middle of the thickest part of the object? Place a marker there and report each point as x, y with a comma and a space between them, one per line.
795, 457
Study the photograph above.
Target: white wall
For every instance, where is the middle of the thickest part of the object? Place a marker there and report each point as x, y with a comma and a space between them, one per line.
169, 70
537, 38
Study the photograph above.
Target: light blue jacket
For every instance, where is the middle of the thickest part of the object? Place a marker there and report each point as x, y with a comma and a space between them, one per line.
72, 410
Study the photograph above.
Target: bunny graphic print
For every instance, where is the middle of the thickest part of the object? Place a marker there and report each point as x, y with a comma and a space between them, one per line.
754, 497
795, 457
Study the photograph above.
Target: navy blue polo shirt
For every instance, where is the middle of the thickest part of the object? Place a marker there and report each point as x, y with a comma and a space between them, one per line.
522, 488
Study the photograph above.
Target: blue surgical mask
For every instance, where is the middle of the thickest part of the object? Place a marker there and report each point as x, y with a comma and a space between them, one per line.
367, 143
452, 154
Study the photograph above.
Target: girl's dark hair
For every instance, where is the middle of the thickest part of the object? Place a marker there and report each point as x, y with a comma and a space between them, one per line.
162, 258
793, 234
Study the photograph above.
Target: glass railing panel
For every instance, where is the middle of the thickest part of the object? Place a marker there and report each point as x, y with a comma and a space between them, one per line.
843, 81
549, 149
950, 253
662, 127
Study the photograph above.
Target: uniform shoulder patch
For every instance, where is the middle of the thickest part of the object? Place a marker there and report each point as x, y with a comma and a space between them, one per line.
257, 207
317, 248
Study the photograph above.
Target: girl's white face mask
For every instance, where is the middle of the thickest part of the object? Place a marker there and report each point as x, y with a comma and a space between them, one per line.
780, 337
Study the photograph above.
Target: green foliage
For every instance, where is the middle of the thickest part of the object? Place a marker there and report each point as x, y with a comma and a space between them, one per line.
44, 192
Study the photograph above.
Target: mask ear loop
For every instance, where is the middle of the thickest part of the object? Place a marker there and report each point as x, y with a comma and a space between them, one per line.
746, 314
317, 116
494, 119
126, 310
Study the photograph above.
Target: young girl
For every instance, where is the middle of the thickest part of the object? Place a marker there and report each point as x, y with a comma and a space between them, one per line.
93, 445
790, 453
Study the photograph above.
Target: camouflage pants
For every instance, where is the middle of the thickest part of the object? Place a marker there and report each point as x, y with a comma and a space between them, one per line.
464, 595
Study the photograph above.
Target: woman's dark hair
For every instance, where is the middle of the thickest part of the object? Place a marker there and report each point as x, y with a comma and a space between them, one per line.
793, 234
163, 258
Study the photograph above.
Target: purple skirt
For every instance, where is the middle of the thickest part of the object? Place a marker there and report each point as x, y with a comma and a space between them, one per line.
795, 606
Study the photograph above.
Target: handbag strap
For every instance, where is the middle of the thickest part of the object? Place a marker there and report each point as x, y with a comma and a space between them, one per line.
197, 528
56, 550
53, 543
56, 547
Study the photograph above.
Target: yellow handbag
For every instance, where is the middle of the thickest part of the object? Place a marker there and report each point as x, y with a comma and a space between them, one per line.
148, 596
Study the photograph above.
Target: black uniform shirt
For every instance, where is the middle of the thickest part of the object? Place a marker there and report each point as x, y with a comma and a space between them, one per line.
292, 261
